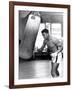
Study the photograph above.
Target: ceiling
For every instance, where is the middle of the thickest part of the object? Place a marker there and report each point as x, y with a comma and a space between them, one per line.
51, 17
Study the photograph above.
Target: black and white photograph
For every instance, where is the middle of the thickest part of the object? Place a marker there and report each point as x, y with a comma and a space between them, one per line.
40, 45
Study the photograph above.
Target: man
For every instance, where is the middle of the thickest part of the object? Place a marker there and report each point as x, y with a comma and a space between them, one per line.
54, 47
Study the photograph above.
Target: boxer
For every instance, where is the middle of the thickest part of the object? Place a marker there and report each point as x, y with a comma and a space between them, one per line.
54, 47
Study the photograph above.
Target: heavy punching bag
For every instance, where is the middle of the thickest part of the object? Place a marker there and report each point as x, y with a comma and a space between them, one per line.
30, 32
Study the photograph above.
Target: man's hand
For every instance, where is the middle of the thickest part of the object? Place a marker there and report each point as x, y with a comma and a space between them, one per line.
39, 50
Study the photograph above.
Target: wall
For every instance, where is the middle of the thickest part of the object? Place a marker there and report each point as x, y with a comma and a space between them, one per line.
4, 44
50, 17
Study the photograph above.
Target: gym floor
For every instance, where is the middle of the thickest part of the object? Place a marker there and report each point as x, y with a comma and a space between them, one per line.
34, 69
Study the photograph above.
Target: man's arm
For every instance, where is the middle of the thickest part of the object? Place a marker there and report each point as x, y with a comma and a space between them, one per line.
59, 45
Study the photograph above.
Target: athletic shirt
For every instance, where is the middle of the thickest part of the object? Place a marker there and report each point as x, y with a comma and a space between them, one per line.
52, 44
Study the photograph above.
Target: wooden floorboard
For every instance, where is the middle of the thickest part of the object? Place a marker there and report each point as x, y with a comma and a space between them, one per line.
34, 69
